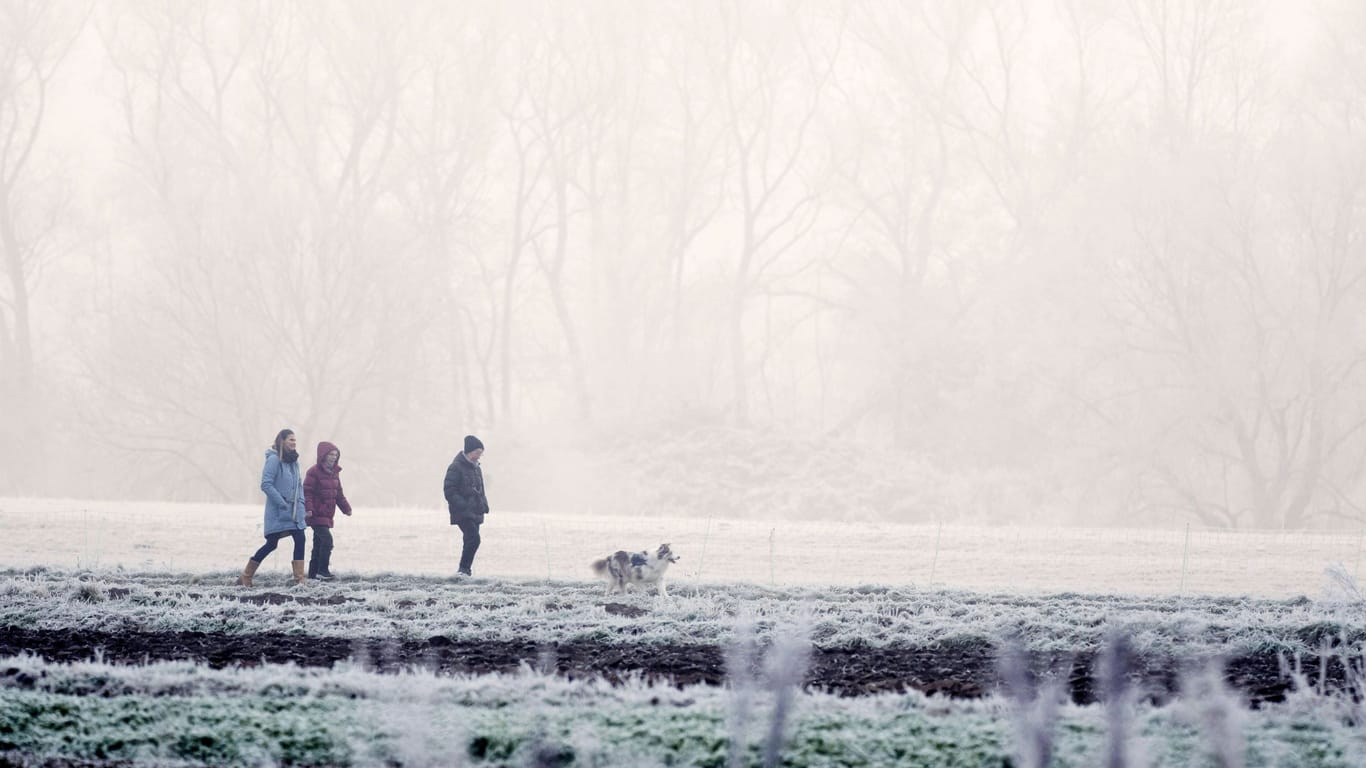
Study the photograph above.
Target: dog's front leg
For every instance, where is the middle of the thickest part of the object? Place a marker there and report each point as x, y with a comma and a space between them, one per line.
662, 591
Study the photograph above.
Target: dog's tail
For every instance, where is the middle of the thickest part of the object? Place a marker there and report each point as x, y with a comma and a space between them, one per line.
599, 566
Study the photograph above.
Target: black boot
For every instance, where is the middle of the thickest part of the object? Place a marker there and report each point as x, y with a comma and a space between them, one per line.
325, 569
312, 568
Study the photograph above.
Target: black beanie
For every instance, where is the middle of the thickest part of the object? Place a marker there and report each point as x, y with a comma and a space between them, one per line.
472, 444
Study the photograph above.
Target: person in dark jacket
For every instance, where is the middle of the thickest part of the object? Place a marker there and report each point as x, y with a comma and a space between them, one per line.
465, 498
285, 503
323, 496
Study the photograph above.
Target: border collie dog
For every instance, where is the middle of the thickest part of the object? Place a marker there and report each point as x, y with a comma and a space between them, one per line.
640, 568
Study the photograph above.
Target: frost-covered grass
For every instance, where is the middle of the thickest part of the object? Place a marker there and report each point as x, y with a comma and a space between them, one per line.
183, 713
209, 538
417, 608
180, 713
346, 716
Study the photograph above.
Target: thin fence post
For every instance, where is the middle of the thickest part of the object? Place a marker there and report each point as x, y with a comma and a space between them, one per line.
1356, 573
1185, 556
706, 534
545, 537
771, 533
934, 562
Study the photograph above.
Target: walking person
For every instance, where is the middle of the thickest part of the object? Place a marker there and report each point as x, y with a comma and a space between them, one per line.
465, 499
285, 504
323, 496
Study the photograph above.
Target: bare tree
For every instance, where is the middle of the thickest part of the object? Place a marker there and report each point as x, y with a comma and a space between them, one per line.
564, 112
1231, 288
530, 202
623, 281
265, 137
446, 132
561, 120
178, 375
773, 77
694, 139
895, 179
35, 38
1188, 47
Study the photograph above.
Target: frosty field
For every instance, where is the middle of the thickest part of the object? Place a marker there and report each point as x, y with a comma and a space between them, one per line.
109, 665
777, 644
1171, 561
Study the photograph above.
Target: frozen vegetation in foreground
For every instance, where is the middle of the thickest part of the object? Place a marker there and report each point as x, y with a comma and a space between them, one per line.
409, 607
346, 716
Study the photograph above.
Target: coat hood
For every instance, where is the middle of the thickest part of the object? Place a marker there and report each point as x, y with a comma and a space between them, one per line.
325, 448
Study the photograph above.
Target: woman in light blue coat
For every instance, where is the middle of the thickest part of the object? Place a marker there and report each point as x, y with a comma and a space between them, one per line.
283, 485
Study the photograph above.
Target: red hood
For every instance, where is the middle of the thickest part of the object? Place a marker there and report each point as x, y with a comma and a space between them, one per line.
325, 448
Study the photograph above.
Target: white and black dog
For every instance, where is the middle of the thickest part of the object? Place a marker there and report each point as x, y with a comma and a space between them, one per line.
625, 568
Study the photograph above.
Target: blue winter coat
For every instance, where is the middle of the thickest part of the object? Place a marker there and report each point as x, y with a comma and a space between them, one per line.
284, 490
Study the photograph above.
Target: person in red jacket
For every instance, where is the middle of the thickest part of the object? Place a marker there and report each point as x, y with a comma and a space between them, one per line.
322, 497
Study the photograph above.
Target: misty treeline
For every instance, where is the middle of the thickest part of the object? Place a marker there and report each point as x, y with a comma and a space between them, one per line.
1069, 260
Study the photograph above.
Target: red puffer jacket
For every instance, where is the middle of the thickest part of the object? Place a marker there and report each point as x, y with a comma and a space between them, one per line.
323, 490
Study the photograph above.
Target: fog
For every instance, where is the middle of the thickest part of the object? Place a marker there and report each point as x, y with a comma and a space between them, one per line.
1068, 261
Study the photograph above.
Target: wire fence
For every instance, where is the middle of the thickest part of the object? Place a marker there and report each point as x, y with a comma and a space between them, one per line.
209, 538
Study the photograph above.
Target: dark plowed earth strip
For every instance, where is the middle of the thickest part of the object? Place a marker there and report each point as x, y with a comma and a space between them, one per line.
957, 672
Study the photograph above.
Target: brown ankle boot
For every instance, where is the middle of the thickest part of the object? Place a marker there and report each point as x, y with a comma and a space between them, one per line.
299, 576
248, 572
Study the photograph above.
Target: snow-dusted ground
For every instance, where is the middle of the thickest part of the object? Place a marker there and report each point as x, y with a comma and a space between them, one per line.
350, 714
540, 611
210, 537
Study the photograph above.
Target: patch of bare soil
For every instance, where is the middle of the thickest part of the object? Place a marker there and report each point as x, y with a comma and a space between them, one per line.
964, 671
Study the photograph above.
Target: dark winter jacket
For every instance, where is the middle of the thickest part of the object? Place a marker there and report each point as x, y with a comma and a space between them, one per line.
323, 489
464, 489
284, 491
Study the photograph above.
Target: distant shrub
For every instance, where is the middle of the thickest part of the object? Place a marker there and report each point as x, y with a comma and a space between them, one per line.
88, 592
764, 474
1341, 586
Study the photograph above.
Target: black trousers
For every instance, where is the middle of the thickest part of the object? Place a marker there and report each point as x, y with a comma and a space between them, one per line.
320, 560
470, 530
274, 538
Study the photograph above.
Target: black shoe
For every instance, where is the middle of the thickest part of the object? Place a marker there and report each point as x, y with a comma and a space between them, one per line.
463, 573
324, 577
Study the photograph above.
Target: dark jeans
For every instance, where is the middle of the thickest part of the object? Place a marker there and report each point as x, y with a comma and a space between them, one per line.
320, 560
471, 545
274, 538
